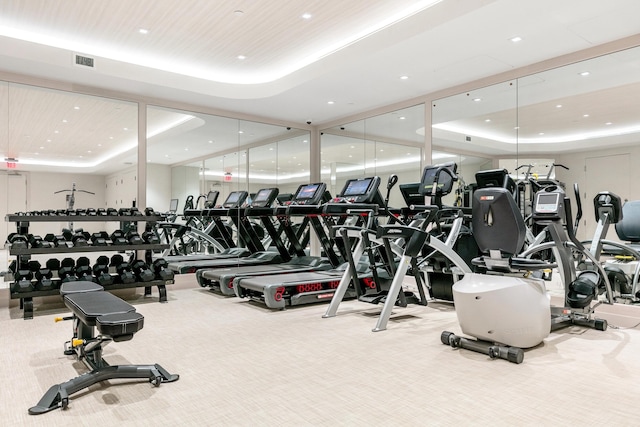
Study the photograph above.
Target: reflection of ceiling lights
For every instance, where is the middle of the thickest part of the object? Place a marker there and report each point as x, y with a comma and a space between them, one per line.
120, 150
221, 75
549, 140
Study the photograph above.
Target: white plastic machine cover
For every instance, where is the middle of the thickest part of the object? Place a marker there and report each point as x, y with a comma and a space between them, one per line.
514, 311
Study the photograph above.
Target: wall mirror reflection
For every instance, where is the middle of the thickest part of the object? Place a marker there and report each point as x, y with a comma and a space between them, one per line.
55, 141
391, 143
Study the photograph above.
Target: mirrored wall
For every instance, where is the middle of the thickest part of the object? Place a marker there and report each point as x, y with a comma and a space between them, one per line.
391, 143
584, 118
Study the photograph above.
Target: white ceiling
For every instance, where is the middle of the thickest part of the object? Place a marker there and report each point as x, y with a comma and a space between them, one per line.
351, 53
452, 42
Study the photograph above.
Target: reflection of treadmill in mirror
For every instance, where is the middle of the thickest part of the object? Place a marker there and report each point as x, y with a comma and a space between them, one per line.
279, 290
306, 197
217, 230
436, 176
212, 198
236, 212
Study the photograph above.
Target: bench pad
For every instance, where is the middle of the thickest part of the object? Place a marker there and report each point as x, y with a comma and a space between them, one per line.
120, 326
88, 306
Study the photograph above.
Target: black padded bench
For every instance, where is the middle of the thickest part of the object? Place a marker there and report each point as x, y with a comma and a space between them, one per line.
115, 320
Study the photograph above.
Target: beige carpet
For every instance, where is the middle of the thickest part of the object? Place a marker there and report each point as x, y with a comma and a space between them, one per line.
243, 365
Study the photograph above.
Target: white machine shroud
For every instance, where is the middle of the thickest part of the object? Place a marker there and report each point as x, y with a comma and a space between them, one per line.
514, 311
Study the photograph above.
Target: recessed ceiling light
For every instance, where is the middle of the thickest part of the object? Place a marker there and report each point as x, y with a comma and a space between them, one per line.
238, 12
516, 39
404, 77
241, 57
477, 99
186, 149
608, 123
64, 120
331, 102
584, 73
306, 16
125, 128
559, 106
143, 31
76, 108
42, 148
89, 151
240, 131
110, 137
402, 118
210, 142
48, 140
541, 133
99, 145
585, 115
487, 120
55, 131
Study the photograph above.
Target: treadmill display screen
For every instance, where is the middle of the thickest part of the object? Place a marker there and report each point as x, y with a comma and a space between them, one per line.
307, 192
445, 182
262, 196
357, 187
232, 199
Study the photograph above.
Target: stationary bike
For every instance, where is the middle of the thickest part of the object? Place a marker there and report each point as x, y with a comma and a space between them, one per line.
511, 311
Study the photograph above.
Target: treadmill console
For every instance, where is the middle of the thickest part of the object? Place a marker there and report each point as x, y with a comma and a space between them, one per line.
264, 198
359, 191
235, 199
309, 194
443, 180
212, 197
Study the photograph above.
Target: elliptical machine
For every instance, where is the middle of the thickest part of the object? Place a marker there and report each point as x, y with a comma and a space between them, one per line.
506, 313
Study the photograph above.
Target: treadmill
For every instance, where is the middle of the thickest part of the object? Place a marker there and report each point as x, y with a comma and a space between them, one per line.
359, 197
253, 253
309, 195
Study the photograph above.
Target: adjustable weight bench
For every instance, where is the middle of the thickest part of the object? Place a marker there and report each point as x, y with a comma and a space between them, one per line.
116, 320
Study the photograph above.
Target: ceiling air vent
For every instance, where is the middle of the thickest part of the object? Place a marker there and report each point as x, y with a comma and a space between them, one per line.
84, 61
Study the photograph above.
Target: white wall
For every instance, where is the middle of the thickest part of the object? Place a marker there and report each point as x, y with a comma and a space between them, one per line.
185, 181
158, 187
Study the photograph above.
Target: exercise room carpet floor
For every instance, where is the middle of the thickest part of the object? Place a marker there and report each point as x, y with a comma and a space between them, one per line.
243, 365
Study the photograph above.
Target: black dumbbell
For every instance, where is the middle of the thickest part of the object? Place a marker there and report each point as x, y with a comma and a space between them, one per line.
160, 269
91, 212
79, 239
149, 211
38, 242
134, 238
81, 211
124, 211
23, 281
67, 271
83, 269
123, 269
150, 237
18, 241
101, 271
99, 239
142, 271
112, 211
61, 211
43, 276
117, 238
56, 239
101, 212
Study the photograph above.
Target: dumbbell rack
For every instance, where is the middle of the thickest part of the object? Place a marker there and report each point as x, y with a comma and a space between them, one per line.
22, 223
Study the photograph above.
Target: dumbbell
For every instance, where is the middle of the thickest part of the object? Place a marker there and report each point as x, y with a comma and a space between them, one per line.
99, 239
23, 280
67, 271
38, 242
124, 211
125, 273
91, 212
162, 272
101, 212
134, 238
142, 271
18, 241
81, 211
83, 269
101, 271
43, 276
134, 211
149, 211
56, 239
112, 211
61, 211
150, 237
117, 238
